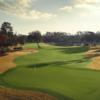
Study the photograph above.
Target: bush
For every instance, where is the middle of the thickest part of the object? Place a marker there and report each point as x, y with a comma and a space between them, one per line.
3, 51
17, 48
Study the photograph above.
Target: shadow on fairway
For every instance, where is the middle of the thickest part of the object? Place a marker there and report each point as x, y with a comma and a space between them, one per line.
56, 94
40, 65
45, 91
70, 50
57, 63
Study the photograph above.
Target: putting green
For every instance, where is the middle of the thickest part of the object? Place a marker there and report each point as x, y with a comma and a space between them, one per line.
59, 71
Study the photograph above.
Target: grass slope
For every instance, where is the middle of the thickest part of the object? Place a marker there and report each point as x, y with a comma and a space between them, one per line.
60, 71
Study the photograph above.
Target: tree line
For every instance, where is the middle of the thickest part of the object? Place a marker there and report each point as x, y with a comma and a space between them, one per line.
8, 38
81, 38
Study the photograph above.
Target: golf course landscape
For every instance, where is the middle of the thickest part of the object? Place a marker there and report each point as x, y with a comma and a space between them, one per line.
60, 71
49, 49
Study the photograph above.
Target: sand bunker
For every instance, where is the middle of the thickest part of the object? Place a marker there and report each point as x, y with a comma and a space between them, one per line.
12, 94
95, 64
94, 53
6, 62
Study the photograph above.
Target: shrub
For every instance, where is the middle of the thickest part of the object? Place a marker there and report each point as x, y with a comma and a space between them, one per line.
17, 48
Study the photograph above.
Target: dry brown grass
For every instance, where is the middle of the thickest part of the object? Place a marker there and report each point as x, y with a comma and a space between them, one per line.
6, 62
12, 94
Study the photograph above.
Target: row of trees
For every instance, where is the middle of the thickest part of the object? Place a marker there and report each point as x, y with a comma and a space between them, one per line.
81, 38
9, 38
63, 38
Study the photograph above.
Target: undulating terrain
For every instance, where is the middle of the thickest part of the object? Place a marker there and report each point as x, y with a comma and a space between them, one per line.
62, 72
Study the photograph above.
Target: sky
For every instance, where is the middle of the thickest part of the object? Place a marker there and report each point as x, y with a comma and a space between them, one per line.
51, 15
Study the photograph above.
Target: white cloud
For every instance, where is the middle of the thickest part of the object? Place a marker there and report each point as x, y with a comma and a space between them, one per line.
91, 6
83, 6
33, 14
88, 5
21, 8
88, 1
66, 8
25, 3
84, 14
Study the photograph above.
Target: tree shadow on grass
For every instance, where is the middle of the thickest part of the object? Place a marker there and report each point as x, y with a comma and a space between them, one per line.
70, 50
57, 63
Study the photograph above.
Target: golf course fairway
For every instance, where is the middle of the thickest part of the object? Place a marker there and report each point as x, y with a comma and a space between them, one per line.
59, 71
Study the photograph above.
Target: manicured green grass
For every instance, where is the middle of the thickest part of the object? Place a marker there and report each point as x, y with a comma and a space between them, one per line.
60, 71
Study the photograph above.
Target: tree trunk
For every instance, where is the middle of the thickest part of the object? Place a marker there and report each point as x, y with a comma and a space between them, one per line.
38, 45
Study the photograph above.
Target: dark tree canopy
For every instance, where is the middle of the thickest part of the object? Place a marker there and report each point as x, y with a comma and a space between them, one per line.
6, 28
7, 32
81, 38
36, 37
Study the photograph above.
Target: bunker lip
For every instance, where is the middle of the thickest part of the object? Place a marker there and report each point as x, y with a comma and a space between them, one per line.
12, 94
6, 62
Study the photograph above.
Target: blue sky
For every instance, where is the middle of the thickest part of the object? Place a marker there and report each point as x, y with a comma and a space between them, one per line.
51, 15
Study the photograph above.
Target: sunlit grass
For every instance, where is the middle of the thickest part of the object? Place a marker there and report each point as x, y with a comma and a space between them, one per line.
60, 71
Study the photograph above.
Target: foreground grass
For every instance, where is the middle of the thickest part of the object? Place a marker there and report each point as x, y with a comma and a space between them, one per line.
60, 71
